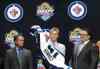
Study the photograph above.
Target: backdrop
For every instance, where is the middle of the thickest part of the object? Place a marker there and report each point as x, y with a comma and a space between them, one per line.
60, 19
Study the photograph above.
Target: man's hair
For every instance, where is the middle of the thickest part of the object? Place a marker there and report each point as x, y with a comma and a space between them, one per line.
54, 29
15, 37
87, 30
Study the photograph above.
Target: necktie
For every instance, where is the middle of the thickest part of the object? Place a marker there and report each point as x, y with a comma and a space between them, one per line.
76, 49
20, 51
76, 55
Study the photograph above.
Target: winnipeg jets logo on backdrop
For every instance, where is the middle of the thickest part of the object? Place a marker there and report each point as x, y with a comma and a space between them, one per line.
77, 10
13, 12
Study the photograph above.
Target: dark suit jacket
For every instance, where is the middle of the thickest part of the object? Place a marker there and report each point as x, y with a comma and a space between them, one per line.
2, 54
87, 58
11, 60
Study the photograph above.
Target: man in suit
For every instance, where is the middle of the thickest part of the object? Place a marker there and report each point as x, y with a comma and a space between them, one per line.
18, 57
2, 55
85, 53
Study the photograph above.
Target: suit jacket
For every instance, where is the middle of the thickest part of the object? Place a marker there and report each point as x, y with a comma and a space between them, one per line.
11, 60
87, 59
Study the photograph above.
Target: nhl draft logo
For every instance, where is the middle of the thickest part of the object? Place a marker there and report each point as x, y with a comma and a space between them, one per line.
77, 10
45, 11
13, 12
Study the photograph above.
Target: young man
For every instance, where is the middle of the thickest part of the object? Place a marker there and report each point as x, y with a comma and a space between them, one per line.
53, 39
55, 49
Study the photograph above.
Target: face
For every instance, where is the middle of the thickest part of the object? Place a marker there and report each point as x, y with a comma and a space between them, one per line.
19, 41
84, 36
54, 35
98, 44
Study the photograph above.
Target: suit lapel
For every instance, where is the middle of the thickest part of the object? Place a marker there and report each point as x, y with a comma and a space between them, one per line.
15, 56
84, 48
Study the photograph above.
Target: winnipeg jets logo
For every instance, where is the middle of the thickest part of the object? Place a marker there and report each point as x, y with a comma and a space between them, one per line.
77, 10
13, 12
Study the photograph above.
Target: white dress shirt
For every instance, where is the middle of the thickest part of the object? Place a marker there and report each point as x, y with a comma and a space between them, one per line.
81, 46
